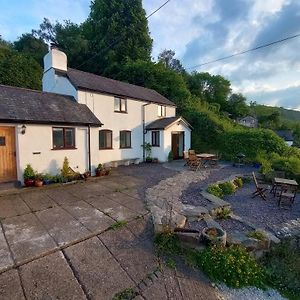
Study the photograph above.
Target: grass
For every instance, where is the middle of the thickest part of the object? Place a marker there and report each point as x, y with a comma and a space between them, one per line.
117, 225
257, 235
127, 294
224, 213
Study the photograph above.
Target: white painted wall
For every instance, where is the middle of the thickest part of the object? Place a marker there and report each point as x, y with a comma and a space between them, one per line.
38, 139
55, 59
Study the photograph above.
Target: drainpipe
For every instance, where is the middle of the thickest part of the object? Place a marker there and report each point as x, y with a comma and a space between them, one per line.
89, 148
144, 131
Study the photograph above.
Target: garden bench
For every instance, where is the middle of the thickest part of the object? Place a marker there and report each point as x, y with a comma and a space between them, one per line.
125, 162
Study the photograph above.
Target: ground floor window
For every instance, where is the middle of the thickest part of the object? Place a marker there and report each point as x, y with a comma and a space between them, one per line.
155, 138
105, 139
63, 138
125, 139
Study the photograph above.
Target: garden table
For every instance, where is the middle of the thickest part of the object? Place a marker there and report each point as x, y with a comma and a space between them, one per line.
278, 182
206, 158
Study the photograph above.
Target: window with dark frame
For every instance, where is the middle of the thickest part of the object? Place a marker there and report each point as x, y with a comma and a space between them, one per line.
63, 138
125, 139
2, 140
162, 110
105, 139
120, 105
155, 138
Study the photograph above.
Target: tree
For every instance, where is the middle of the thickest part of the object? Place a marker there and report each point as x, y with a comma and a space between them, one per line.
167, 58
31, 46
46, 32
18, 69
211, 88
116, 31
237, 106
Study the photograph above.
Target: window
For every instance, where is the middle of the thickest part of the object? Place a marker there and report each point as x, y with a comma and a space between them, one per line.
105, 139
2, 140
155, 139
63, 138
161, 111
125, 139
120, 105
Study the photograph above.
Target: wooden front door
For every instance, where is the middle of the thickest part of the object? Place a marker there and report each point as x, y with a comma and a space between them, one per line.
177, 144
8, 167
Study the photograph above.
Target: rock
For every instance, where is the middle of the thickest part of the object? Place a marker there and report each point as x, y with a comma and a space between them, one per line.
188, 235
211, 223
194, 211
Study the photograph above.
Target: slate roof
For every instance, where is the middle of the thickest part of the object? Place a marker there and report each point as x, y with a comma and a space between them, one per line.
163, 123
19, 105
287, 135
89, 81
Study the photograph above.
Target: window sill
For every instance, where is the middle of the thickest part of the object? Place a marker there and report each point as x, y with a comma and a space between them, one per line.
55, 149
106, 148
125, 148
156, 146
121, 112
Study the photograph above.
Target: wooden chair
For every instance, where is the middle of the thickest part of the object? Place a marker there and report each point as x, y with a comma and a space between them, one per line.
194, 162
288, 192
186, 157
192, 152
260, 191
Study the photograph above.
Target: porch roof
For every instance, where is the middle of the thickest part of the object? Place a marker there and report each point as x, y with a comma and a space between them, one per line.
163, 123
19, 105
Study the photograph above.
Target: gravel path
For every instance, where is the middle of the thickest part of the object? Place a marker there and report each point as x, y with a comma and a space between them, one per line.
231, 225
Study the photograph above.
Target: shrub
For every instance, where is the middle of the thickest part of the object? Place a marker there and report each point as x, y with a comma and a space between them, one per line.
215, 190
257, 235
29, 172
227, 188
170, 156
224, 213
282, 266
167, 243
233, 265
238, 182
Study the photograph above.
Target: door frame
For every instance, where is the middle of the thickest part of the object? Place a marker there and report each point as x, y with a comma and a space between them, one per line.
178, 133
15, 162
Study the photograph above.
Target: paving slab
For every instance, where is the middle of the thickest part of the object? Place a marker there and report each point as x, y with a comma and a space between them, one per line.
114, 209
171, 284
10, 286
62, 226
61, 196
132, 192
98, 187
50, 277
113, 184
157, 290
98, 271
38, 200
12, 205
80, 191
90, 217
5, 257
136, 257
27, 237
129, 202
142, 228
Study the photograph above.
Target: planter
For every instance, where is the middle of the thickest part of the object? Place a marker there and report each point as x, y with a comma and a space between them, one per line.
155, 160
186, 235
98, 173
29, 182
148, 160
87, 174
214, 236
47, 181
107, 172
38, 183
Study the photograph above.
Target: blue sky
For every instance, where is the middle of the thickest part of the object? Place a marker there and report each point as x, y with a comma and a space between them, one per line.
200, 31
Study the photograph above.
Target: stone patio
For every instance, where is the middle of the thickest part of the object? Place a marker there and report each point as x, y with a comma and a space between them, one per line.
56, 242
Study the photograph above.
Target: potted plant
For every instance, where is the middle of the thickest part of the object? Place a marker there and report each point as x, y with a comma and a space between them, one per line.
86, 174
147, 148
38, 182
47, 178
214, 236
107, 171
29, 176
100, 171
155, 160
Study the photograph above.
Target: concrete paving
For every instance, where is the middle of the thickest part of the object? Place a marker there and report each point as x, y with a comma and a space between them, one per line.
58, 243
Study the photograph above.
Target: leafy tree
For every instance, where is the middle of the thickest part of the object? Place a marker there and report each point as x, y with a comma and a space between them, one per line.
32, 46
18, 69
116, 31
167, 58
211, 88
156, 76
237, 106
46, 32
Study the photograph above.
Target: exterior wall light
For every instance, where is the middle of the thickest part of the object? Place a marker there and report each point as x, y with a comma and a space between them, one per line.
23, 129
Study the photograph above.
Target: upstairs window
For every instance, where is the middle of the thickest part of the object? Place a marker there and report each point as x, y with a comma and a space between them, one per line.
125, 139
155, 138
63, 138
105, 139
161, 111
120, 105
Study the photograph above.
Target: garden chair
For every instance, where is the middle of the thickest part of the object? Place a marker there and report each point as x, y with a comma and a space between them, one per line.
192, 152
194, 162
288, 192
260, 191
186, 157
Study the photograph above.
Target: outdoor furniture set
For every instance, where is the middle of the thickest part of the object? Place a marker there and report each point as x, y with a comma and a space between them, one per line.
197, 161
284, 189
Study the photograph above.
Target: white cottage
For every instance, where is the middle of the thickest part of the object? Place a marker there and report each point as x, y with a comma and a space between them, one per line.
88, 118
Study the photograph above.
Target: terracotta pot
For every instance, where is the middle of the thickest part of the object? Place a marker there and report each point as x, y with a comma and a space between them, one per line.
98, 173
29, 182
38, 183
214, 236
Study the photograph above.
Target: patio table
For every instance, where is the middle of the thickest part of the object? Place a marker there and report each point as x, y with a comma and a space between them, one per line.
206, 158
278, 182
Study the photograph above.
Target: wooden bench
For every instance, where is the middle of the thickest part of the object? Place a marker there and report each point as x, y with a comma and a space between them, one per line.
125, 162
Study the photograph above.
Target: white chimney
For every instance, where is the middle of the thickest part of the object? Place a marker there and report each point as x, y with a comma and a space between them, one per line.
55, 59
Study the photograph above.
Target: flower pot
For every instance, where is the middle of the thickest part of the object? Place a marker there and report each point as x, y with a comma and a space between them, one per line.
148, 160
98, 173
214, 236
47, 181
29, 182
87, 174
38, 183
107, 172
186, 235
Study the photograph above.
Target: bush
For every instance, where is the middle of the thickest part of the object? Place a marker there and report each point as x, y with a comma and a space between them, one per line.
215, 190
257, 235
167, 243
224, 213
29, 172
233, 265
282, 266
238, 182
170, 156
227, 188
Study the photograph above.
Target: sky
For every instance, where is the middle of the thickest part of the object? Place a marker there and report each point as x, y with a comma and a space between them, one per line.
201, 31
